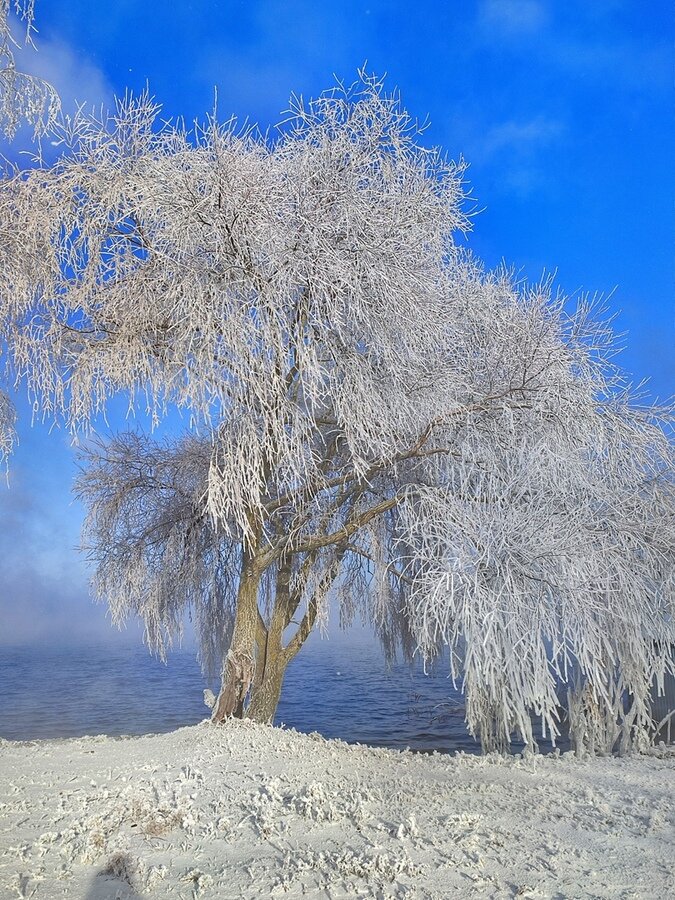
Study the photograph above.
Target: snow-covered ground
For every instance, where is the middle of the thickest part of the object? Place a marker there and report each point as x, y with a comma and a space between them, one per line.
246, 811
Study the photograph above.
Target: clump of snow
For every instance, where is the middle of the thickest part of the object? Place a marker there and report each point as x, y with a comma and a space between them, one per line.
209, 698
249, 811
345, 868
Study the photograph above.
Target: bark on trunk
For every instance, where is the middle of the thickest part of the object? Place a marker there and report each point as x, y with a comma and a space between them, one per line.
239, 665
272, 661
265, 699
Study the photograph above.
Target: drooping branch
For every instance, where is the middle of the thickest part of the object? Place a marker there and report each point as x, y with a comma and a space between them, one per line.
23, 97
309, 618
7, 427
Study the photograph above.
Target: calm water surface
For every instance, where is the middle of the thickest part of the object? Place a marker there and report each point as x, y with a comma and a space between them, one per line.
340, 691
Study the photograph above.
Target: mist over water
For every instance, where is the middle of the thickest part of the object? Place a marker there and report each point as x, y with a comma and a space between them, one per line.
339, 689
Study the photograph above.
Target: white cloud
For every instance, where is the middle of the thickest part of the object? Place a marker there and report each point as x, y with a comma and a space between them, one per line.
512, 18
522, 138
594, 48
516, 148
76, 78
619, 63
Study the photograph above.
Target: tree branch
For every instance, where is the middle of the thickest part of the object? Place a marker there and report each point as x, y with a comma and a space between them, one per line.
325, 540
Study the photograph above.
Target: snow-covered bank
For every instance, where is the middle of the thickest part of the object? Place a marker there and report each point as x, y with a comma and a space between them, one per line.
245, 811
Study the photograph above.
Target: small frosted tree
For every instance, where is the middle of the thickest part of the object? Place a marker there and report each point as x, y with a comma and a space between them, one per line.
23, 98
375, 421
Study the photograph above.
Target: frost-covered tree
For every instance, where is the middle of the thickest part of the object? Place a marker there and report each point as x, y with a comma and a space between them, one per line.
23, 98
375, 421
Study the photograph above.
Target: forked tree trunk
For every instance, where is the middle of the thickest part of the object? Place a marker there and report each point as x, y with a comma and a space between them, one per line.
257, 677
273, 657
239, 667
257, 659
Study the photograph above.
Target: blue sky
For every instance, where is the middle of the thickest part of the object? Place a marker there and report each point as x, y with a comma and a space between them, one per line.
564, 111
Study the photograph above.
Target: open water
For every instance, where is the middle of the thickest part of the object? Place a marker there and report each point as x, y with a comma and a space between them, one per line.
340, 690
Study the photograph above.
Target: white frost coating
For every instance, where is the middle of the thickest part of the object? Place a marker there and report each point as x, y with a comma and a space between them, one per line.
7, 427
22, 97
441, 447
209, 698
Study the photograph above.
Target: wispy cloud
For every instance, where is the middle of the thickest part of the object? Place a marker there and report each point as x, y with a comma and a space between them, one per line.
620, 63
76, 78
77, 81
512, 18
297, 49
522, 138
583, 40
517, 149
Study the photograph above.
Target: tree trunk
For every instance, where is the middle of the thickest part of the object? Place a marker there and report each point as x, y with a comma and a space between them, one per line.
273, 659
259, 676
265, 698
239, 667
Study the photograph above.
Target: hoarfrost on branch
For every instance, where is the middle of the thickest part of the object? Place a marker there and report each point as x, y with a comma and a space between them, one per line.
22, 97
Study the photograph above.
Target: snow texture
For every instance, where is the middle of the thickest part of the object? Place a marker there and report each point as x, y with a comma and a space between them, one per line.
266, 812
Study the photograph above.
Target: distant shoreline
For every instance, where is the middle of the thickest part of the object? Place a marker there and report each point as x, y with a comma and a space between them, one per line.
247, 811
